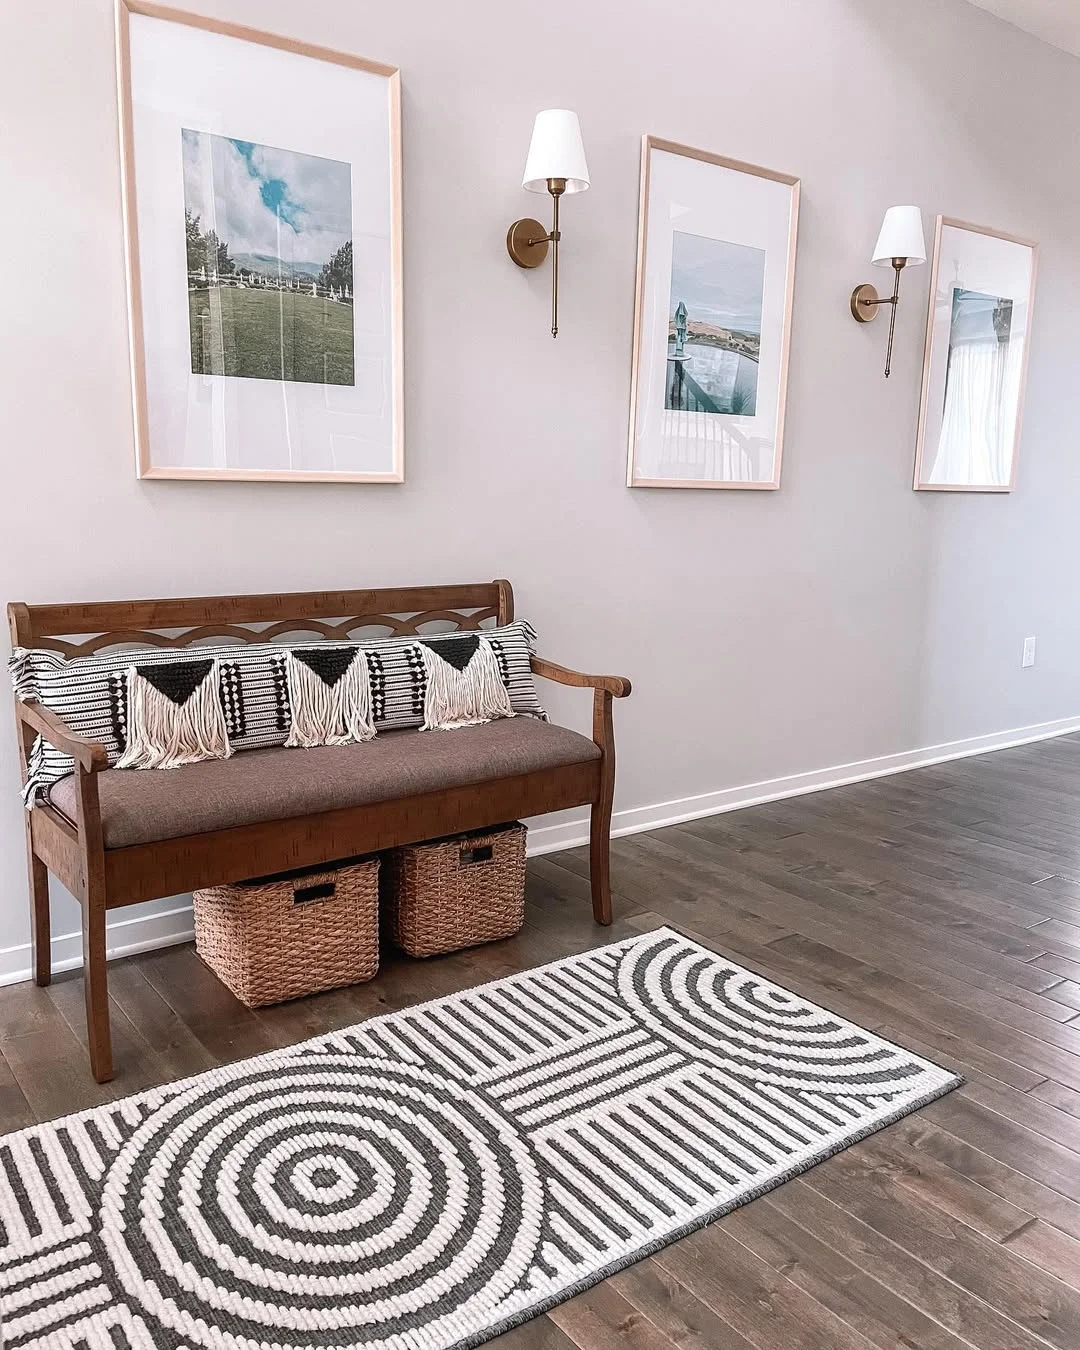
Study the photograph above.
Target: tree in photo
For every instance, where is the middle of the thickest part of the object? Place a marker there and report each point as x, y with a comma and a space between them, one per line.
206, 250
337, 273
217, 255
196, 245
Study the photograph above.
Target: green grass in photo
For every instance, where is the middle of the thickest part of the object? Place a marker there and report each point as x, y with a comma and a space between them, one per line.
270, 335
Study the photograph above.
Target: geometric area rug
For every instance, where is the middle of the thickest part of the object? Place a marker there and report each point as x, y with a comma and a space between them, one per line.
431, 1178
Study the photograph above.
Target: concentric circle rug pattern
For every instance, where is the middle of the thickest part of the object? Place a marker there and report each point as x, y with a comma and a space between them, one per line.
430, 1178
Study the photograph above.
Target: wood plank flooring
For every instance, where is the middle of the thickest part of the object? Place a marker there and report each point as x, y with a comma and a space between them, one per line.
939, 907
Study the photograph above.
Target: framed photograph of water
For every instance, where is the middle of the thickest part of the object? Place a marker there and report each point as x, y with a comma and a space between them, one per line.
712, 325
982, 292
262, 198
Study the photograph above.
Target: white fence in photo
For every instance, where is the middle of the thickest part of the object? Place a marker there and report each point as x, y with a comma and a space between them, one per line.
204, 280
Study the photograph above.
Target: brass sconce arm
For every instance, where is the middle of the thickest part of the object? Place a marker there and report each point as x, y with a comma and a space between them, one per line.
864, 302
528, 245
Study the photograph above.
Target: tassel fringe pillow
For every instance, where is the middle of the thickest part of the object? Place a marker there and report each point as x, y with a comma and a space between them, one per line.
91, 692
174, 715
464, 682
330, 696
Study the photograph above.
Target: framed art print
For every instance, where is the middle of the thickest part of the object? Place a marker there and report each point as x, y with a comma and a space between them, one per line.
982, 292
262, 200
712, 321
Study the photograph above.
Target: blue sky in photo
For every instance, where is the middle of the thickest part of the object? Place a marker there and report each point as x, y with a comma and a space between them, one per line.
267, 201
720, 283
273, 191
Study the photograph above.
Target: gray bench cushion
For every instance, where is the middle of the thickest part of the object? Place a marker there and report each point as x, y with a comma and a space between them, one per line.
139, 806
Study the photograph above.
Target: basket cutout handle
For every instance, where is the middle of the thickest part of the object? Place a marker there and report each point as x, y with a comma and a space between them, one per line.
319, 890
478, 853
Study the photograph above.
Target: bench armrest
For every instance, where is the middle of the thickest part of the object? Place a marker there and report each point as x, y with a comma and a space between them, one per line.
91, 755
616, 685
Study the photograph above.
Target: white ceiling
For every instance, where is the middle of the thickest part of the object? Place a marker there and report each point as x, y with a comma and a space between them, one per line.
1055, 21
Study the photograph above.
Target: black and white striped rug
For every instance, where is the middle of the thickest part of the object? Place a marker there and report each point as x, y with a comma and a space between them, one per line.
433, 1177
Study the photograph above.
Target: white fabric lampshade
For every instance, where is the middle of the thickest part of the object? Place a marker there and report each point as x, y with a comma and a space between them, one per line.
556, 151
901, 237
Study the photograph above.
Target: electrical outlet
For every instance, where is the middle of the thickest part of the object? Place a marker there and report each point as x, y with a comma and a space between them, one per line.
1029, 652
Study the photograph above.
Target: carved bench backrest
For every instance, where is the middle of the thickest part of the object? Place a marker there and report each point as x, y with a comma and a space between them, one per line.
81, 629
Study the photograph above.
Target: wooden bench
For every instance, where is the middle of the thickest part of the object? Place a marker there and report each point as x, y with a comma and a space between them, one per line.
74, 847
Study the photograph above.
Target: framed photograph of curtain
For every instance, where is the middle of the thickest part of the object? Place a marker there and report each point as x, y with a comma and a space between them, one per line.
712, 320
262, 213
982, 293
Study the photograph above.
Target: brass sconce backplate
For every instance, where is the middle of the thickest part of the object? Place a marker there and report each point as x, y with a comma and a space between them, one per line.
527, 242
865, 303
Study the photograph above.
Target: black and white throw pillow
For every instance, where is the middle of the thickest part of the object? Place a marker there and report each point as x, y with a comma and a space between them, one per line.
90, 692
174, 715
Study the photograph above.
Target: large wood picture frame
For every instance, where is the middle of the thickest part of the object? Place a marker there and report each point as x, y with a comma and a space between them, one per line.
935, 359
157, 461
650, 309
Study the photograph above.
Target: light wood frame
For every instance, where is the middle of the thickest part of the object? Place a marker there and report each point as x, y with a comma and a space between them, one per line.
648, 144
103, 878
924, 397
145, 468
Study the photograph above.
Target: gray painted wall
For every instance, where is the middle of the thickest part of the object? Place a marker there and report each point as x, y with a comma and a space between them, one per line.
840, 619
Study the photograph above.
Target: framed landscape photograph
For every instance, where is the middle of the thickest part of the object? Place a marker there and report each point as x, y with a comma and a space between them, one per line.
262, 200
982, 292
712, 320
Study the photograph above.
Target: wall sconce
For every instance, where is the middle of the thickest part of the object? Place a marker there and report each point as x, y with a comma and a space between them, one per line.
900, 244
556, 164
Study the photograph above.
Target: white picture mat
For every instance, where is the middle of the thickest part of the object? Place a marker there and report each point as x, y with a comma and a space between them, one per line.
716, 201
973, 260
183, 76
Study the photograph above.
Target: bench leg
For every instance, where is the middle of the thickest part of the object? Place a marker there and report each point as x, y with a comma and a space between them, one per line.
600, 821
95, 979
40, 919
96, 988
600, 861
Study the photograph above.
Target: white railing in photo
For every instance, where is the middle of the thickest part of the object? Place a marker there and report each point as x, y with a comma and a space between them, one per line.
724, 451
203, 280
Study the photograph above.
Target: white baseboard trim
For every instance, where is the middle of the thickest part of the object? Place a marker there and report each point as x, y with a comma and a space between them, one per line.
573, 833
125, 937
164, 929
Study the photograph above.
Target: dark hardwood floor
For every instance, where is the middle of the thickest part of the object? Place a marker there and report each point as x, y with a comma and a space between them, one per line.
939, 907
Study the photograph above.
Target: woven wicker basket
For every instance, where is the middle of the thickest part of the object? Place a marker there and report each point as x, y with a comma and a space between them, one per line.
284, 937
453, 893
